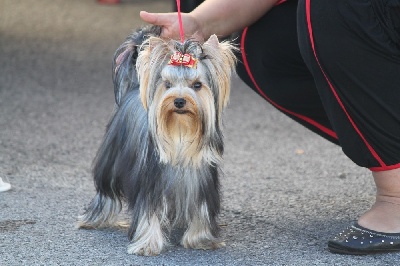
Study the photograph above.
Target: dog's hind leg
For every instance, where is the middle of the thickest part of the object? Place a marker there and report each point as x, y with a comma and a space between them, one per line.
102, 212
148, 239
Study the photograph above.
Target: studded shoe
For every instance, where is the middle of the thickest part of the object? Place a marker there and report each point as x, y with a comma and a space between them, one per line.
357, 240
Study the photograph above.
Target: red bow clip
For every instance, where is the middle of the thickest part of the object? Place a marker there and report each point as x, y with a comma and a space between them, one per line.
179, 59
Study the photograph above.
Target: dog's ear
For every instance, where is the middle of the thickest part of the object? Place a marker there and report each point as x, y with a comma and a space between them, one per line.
213, 41
144, 74
222, 65
123, 69
150, 61
124, 62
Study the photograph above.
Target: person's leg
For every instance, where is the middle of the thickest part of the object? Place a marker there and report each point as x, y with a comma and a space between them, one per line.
271, 64
384, 216
355, 65
352, 48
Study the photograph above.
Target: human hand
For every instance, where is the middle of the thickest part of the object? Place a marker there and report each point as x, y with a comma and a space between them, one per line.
170, 25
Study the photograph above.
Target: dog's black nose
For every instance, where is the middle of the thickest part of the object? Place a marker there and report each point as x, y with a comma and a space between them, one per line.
179, 102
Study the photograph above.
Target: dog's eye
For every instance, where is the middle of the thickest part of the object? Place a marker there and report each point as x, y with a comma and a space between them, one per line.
167, 84
197, 85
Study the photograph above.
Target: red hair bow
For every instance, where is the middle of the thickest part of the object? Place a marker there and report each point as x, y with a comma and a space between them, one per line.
179, 59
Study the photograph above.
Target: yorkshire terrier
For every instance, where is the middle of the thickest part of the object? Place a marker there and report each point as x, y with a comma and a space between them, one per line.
163, 147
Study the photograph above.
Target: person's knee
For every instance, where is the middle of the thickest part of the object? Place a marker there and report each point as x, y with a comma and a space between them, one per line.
278, 86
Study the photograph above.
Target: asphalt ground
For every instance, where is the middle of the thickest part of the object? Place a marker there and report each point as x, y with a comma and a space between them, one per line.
285, 190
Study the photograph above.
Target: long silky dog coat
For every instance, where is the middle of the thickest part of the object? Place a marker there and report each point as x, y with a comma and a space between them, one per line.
163, 147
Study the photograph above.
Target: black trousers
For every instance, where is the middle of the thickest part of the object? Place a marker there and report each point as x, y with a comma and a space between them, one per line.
334, 67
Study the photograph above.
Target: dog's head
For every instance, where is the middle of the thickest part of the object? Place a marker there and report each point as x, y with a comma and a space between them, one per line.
184, 88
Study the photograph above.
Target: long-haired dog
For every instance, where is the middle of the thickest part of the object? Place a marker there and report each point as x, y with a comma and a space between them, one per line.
163, 147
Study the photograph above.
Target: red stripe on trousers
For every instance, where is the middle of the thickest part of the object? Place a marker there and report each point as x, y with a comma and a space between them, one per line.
302, 117
310, 32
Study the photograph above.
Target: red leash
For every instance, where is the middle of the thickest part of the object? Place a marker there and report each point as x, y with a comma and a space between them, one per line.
182, 34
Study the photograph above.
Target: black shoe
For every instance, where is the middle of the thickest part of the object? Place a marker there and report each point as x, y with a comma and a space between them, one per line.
357, 240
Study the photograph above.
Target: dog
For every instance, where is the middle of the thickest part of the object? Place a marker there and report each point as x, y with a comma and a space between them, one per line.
163, 147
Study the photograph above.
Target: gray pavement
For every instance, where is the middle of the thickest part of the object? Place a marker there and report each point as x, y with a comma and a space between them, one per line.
285, 190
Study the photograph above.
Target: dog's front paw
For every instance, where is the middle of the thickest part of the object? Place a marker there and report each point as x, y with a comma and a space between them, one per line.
203, 244
201, 240
148, 239
146, 248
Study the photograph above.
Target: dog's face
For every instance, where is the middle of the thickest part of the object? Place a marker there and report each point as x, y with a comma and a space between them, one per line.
185, 103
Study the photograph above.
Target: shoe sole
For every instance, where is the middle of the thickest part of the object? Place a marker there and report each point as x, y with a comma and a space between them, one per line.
348, 251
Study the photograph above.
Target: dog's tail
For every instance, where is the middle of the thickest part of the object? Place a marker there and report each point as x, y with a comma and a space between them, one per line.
123, 144
105, 206
124, 63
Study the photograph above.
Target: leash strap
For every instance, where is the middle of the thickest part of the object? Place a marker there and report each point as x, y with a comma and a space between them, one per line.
182, 34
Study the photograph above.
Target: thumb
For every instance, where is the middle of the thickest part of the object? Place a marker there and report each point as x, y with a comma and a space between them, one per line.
160, 19
168, 22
